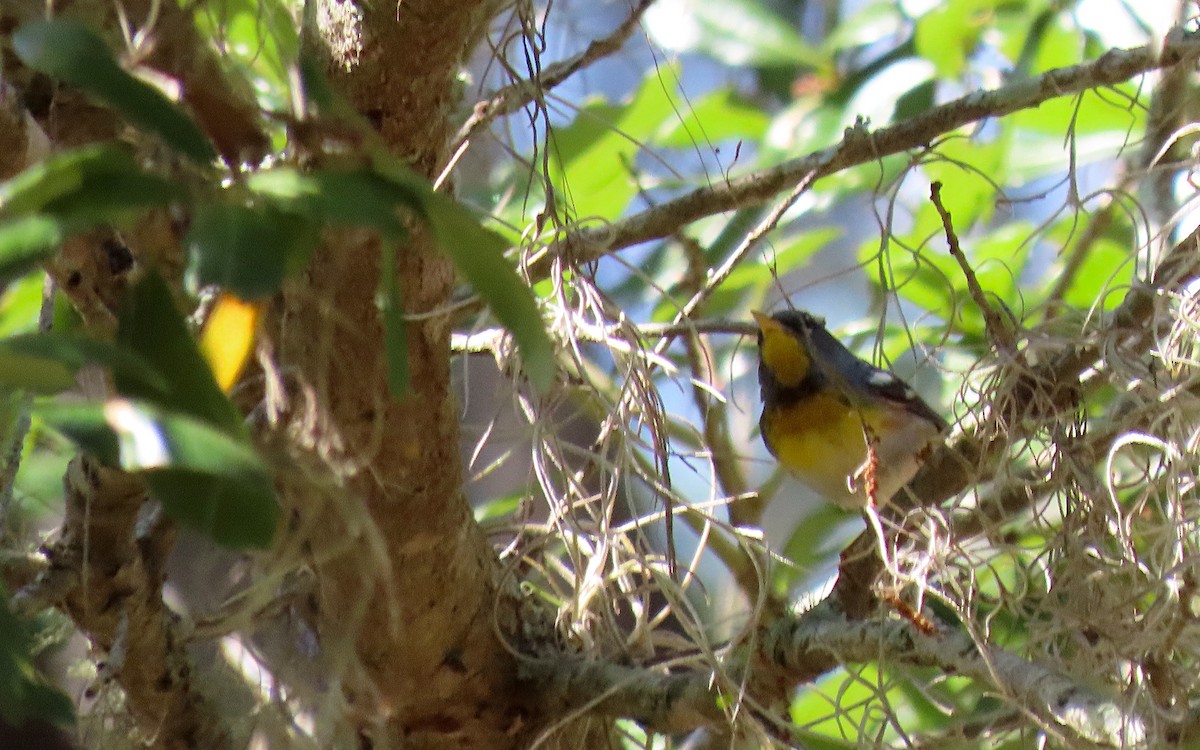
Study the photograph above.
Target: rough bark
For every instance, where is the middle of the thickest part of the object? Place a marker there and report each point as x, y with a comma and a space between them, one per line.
432, 671
116, 560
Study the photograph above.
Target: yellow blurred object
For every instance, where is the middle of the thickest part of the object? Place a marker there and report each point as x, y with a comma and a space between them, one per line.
849, 430
228, 338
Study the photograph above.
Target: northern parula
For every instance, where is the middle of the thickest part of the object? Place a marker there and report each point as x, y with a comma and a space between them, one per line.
847, 429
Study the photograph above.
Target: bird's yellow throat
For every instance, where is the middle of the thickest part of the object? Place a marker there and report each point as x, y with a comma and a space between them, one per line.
782, 352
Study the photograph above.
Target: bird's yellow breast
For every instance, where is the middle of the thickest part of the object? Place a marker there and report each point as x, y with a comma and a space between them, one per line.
823, 442
819, 439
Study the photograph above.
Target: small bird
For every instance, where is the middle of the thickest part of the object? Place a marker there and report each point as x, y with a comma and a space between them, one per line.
849, 430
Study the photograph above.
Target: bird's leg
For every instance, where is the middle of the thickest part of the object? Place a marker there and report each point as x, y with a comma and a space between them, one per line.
869, 471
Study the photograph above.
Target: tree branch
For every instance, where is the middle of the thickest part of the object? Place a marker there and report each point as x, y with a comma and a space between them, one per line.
106, 572
811, 644
998, 330
860, 145
669, 703
796, 643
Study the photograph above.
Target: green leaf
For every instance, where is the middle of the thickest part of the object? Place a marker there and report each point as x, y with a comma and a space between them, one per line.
24, 243
593, 157
71, 52
1060, 43
737, 32
395, 335
206, 478
236, 512
1103, 276
364, 198
21, 303
920, 98
107, 197
1091, 113
316, 86
785, 259
353, 197
968, 170
247, 250
258, 39
750, 283
873, 22
498, 507
85, 185
815, 540
718, 116
23, 695
150, 325
811, 740
934, 281
949, 33
44, 462
46, 363
479, 256
60, 175
1105, 272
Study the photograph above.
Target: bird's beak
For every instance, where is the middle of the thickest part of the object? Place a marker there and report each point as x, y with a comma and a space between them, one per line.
765, 322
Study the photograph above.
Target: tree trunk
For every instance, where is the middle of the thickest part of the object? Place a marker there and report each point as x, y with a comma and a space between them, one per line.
421, 608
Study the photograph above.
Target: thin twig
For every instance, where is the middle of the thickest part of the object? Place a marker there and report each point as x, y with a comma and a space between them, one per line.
999, 332
1075, 257
516, 95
